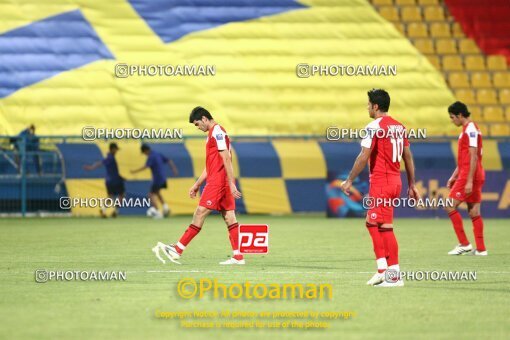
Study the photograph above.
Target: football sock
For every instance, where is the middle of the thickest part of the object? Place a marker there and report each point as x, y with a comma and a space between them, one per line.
186, 238
378, 244
478, 231
458, 227
233, 235
390, 245
166, 208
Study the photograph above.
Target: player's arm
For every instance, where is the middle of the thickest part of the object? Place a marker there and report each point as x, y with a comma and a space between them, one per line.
139, 169
473, 159
412, 191
194, 189
453, 178
93, 166
359, 164
173, 167
227, 163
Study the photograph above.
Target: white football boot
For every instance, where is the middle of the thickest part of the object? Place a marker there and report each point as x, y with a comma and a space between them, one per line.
168, 250
386, 284
461, 250
479, 253
232, 261
166, 210
376, 279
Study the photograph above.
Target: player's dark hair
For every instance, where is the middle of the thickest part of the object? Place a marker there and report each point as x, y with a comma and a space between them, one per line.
145, 147
459, 108
113, 146
381, 98
197, 113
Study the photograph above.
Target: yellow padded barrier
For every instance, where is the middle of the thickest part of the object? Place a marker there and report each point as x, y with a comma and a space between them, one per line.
177, 196
300, 159
491, 159
262, 195
86, 188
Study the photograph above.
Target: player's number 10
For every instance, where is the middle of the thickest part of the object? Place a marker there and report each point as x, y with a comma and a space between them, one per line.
398, 148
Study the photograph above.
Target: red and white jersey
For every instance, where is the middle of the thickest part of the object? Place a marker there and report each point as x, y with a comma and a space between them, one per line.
217, 140
387, 139
471, 137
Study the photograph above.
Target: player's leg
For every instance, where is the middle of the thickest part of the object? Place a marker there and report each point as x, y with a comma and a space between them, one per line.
229, 216
392, 275
373, 220
379, 251
476, 218
389, 239
166, 209
120, 197
174, 251
458, 195
153, 197
193, 229
390, 245
109, 192
455, 217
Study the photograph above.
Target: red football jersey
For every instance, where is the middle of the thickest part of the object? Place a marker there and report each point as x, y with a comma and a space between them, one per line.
217, 141
387, 139
470, 137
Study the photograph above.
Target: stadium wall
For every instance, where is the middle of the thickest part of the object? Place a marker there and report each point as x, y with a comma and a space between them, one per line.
281, 176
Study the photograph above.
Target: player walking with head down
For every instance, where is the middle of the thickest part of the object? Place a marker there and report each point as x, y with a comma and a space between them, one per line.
466, 182
219, 193
383, 147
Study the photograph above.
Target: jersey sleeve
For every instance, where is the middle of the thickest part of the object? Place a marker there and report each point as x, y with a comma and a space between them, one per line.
472, 134
369, 133
220, 137
406, 140
107, 160
149, 162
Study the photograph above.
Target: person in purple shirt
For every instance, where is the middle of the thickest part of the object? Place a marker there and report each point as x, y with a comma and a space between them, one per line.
114, 181
156, 162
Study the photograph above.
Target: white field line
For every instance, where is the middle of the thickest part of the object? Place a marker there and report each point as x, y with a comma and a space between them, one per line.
259, 272
288, 272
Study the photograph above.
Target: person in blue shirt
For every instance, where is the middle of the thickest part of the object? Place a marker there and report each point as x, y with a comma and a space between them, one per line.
156, 162
114, 181
31, 146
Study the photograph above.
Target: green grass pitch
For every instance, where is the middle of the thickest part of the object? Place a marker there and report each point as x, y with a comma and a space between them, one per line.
303, 249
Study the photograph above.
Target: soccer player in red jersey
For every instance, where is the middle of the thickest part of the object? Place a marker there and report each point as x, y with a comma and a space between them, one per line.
466, 182
383, 147
219, 193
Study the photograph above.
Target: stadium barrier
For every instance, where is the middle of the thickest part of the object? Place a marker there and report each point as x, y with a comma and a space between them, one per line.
277, 175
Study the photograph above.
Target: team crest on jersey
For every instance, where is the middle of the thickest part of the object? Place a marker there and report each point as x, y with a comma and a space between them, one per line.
219, 136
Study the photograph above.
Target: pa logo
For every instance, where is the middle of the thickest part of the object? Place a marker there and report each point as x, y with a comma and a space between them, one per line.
253, 238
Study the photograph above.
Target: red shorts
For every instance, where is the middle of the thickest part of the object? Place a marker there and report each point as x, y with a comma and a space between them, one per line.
382, 213
458, 191
217, 197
